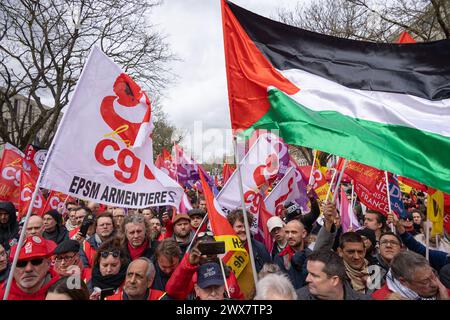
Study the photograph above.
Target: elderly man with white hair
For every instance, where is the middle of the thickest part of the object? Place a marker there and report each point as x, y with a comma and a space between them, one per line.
138, 281
275, 287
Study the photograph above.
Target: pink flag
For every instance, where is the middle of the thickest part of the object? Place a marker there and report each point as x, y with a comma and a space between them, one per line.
348, 217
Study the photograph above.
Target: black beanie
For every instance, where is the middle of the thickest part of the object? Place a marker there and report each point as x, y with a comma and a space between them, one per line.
369, 234
55, 215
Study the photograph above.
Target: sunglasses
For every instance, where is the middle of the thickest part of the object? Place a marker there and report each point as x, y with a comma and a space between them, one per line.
34, 262
105, 254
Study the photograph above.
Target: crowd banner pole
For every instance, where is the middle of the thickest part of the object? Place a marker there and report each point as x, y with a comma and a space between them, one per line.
224, 278
38, 184
339, 180
389, 197
312, 167
247, 227
331, 185
427, 239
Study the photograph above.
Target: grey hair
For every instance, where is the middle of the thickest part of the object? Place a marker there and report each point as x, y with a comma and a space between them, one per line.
137, 219
275, 284
405, 264
150, 272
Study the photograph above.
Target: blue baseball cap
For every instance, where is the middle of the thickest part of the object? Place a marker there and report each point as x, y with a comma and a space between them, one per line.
209, 274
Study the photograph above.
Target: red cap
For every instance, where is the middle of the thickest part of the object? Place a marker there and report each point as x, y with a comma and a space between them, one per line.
34, 247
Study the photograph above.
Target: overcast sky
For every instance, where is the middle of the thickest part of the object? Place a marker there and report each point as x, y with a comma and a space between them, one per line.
194, 32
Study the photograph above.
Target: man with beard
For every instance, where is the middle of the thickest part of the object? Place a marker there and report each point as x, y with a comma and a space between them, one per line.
138, 282
155, 229
411, 278
292, 260
182, 231
138, 242
33, 274
9, 227
168, 255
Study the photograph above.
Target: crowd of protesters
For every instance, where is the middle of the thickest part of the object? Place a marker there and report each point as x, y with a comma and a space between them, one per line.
98, 252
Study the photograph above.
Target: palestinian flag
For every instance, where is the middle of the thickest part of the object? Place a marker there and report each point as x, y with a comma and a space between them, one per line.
383, 105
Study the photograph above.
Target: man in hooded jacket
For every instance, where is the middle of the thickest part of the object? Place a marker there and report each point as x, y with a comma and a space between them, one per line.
9, 227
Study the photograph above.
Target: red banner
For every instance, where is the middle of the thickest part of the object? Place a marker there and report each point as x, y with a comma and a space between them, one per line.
27, 186
10, 166
55, 201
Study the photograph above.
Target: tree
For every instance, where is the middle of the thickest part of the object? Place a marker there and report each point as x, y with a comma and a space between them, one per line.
164, 132
373, 20
44, 44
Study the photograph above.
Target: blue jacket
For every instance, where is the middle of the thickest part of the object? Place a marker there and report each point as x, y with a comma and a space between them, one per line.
261, 255
296, 268
437, 258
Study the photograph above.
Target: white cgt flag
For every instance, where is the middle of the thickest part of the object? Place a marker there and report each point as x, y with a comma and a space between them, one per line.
103, 150
284, 192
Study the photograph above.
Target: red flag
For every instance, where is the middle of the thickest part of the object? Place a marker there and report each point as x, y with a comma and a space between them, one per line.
413, 183
27, 187
405, 37
55, 201
227, 171
236, 257
11, 167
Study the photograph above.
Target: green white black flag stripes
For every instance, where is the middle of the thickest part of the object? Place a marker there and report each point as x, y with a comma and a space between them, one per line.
384, 105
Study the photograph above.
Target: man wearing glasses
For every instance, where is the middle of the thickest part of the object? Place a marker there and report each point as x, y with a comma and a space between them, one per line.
68, 260
33, 274
411, 278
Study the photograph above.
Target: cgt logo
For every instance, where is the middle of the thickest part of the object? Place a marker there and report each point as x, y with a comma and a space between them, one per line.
12, 173
108, 152
55, 203
26, 194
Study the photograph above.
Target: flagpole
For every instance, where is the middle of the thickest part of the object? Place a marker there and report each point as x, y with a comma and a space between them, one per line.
312, 167
22, 237
427, 240
389, 197
331, 185
247, 227
351, 208
38, 183
339, 180
224, 278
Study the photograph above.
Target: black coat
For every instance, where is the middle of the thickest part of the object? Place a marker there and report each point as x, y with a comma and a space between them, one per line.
161, 279
9, 231
296, 268
261, 255
349, 294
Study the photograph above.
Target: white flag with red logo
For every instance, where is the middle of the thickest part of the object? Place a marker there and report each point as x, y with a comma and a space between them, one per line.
285, 191
103, 150
259, 169
27, 187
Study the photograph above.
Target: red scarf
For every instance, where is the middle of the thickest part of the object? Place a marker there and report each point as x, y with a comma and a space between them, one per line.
137, 252
287, 250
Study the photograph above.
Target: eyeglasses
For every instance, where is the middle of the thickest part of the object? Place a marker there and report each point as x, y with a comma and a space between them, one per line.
34, 262
204, 234
65, 258
105, 254
427, 281
390, 242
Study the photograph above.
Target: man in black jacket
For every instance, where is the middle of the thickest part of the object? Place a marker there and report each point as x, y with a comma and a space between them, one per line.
327, 279
9, 228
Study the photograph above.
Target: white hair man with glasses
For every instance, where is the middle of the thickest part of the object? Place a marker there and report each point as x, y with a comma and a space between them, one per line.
411, 278
33, 274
